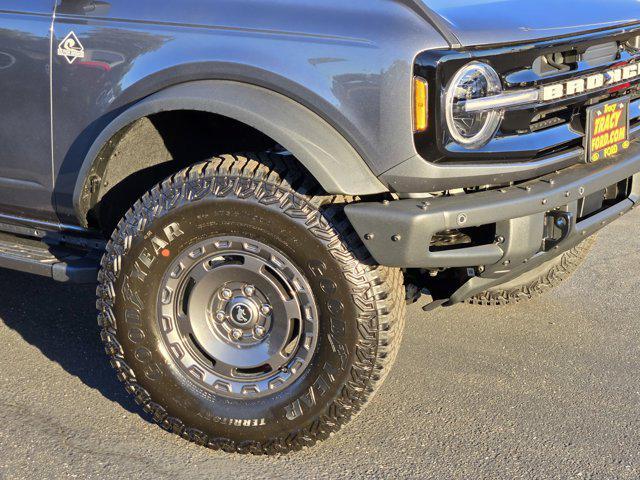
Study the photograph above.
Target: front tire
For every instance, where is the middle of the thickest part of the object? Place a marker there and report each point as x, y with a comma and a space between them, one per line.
241, 310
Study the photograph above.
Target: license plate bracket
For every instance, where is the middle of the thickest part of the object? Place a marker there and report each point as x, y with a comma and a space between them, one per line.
607, 132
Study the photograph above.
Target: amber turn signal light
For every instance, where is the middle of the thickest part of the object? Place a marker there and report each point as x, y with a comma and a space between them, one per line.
420, 104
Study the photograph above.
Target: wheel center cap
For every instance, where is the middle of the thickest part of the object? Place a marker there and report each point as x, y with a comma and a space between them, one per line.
242, 312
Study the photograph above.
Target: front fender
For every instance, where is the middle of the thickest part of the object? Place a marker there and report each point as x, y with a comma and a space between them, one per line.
332, 160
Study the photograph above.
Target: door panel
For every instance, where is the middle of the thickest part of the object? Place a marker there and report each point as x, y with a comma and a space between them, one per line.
25, 128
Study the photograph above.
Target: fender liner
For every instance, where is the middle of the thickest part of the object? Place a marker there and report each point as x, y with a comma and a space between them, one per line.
333, 162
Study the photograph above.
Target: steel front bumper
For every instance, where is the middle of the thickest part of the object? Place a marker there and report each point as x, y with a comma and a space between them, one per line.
399, 233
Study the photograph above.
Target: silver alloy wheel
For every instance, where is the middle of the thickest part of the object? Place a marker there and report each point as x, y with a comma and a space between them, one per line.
238, 317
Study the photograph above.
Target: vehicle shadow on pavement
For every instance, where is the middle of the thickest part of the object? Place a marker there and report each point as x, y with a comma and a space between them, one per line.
60, 320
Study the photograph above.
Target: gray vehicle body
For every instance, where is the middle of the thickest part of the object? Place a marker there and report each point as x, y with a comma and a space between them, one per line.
344, 67
329, 81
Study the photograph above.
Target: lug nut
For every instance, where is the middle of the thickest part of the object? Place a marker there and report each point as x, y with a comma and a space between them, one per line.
249, 290
236, 334
265, 309
226, 293
259, 331
221, 316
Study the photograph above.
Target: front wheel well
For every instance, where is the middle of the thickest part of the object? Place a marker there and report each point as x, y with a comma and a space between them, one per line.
152, 148
195, 121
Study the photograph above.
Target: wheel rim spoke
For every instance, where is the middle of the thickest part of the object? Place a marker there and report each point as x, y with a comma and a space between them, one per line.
292, 309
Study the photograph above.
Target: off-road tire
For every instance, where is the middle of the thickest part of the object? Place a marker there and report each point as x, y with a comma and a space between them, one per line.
363, 342
537, 282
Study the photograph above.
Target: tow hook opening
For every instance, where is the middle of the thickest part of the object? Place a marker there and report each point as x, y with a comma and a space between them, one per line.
557, 227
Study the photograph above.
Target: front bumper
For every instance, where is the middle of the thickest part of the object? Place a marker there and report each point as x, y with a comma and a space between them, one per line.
399, 233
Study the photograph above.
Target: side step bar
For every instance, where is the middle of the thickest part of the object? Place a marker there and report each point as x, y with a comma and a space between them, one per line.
60, 263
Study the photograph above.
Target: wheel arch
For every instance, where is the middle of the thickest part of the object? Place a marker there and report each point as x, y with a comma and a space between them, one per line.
322, 150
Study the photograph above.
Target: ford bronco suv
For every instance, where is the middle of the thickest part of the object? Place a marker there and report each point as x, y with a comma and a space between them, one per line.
261, 186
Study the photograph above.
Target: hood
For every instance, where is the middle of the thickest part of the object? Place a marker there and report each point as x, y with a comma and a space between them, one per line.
483, 22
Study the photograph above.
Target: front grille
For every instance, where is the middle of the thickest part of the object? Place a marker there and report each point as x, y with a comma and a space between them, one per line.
538, 131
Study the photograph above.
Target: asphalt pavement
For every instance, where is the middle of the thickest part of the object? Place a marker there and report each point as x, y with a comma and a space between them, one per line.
547, 389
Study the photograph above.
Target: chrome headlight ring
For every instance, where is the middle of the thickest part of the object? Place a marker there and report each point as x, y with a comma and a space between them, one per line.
469, 127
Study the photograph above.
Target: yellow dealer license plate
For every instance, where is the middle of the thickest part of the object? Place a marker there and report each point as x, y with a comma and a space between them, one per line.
607, 129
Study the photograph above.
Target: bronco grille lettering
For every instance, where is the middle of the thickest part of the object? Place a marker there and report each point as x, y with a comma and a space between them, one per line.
587, 84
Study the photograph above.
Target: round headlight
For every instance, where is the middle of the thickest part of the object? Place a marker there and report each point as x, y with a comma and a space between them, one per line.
473, 81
